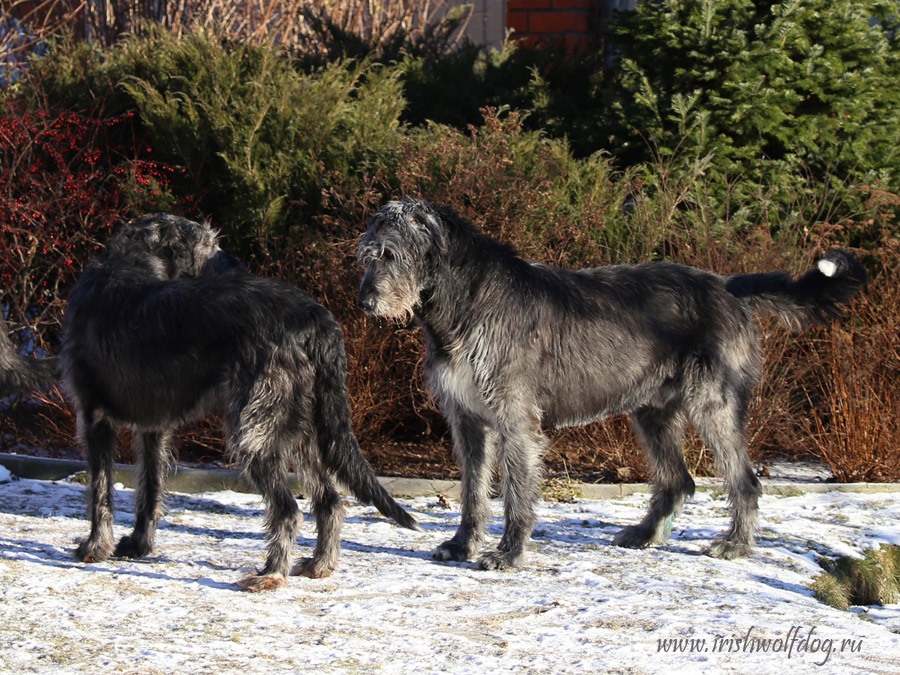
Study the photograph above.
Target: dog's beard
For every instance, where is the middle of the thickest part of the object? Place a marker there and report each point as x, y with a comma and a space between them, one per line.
396, 304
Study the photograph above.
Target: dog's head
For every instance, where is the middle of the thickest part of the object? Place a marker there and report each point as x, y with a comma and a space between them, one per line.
163, 245
395, 254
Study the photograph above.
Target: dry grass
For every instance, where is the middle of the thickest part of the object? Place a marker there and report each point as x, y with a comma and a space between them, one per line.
873, 579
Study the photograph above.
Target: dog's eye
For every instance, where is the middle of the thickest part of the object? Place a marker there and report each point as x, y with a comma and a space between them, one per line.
387, 256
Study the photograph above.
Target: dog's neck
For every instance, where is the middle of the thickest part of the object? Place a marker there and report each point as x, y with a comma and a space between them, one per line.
447, 304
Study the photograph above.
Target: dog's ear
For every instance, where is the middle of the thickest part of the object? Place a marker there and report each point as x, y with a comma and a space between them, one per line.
438, 233
209, 237
425, 220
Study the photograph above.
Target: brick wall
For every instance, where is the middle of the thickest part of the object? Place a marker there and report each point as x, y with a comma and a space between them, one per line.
540, 21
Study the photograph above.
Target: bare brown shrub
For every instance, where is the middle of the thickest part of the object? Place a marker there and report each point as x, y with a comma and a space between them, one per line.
507, 181
519, 187
831, 393
298, 26
853, 423
24, 24
42, 426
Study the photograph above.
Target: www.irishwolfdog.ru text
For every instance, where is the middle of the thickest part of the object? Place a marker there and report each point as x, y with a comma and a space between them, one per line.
798, 641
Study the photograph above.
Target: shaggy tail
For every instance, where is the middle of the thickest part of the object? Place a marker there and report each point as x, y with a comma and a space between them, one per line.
816, 296
19, 373
338, 445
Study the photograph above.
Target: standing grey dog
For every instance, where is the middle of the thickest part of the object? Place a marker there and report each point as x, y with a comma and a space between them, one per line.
513, 345
165, 328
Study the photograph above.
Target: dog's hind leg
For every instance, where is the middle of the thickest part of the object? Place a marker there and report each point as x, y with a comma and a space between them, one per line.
267, 467
660, 430
326, 504
474, 444
521, 450
153, 463
99, 440
719, 419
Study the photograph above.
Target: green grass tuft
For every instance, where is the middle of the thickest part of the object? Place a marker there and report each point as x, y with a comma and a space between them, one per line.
873, 579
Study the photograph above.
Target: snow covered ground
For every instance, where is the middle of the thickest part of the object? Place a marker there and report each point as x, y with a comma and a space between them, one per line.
580, 605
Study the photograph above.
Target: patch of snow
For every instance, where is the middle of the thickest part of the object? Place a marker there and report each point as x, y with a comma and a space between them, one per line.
579, 605
799, 471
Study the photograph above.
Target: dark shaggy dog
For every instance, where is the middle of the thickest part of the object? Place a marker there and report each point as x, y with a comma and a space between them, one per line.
164, 329
513, 345
19, 373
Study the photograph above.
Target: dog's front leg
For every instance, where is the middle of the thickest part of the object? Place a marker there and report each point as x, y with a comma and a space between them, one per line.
474, 444
153, 464
521, 449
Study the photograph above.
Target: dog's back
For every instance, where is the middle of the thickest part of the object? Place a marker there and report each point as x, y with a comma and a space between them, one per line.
633, 330
157, 352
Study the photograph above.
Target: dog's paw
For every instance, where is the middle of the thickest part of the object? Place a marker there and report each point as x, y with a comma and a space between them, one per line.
499, 560
257, 583
729, 550
129, 547
90, 551
312, 568
635, 536
452, 551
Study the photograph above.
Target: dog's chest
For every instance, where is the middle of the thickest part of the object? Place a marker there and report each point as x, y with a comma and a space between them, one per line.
453, 381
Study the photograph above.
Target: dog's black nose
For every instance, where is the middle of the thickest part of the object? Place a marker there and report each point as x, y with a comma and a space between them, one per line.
366, 303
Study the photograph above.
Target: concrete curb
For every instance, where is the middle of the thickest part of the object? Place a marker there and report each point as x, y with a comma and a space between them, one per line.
191, 480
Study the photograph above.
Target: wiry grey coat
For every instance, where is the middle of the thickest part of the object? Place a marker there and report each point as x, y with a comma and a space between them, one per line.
512, 346
166, 328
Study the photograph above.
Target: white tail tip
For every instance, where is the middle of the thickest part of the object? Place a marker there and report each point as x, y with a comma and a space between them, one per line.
827, 267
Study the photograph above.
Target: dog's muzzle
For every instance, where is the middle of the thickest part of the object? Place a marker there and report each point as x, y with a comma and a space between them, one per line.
366, 300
